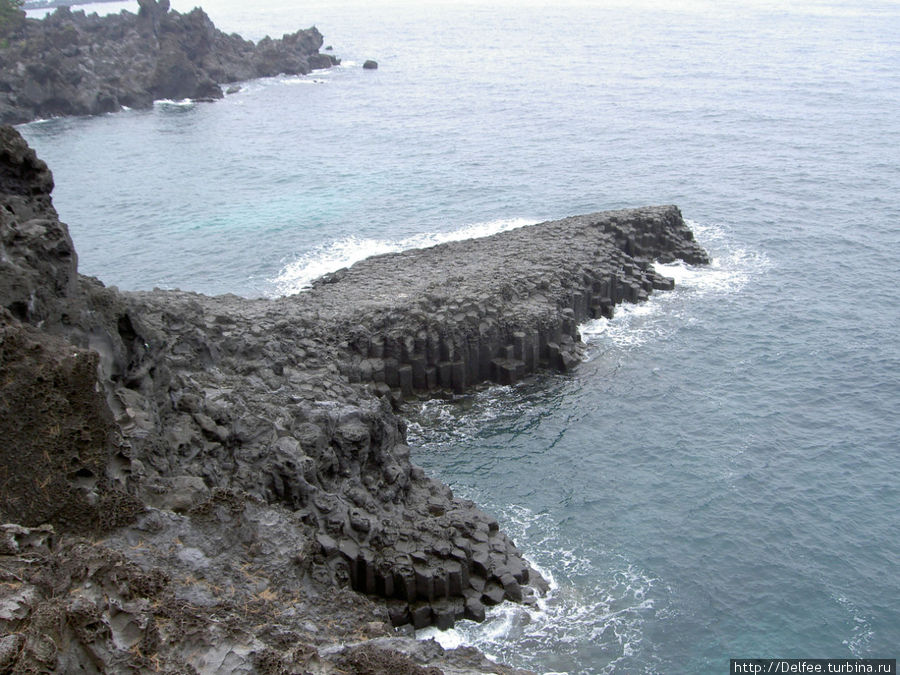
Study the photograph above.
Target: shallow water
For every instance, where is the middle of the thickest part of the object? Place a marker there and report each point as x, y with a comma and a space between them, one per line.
720, 478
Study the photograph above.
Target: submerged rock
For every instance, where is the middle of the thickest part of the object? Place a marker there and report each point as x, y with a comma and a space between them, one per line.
270, 507
75, 64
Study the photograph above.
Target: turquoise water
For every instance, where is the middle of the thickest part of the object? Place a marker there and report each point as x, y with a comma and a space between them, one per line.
720, 478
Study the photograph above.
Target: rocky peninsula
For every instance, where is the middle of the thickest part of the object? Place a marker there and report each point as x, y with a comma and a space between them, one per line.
70, 63
215, 484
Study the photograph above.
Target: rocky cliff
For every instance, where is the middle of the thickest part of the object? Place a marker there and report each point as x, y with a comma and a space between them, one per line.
235, 490
73, 64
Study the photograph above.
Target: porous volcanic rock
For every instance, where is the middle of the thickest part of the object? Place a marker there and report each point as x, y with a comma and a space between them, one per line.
70, 63
274, 521
58, 459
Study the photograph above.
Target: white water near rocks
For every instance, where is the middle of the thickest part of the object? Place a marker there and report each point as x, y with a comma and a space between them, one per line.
297, 275
720, 478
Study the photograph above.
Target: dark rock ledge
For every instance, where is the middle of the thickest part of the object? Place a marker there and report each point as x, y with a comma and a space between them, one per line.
73, 64
216, 484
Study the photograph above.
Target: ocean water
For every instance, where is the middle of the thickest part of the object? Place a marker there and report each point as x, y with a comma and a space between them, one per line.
720, 478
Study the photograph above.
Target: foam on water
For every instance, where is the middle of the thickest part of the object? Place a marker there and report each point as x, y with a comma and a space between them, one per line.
435, 423
728, 273
169, 103
319, 76
606, 610
303, 80
599, 601
251, 87
594, 617
628, 327
448, 639
299, 274
861, 632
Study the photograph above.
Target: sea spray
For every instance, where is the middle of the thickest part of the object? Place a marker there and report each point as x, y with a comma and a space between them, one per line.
300, 273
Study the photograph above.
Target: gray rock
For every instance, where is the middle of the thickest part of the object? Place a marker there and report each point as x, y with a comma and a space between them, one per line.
493, 594
270, 507
179, 493
421, 616
73, 64
511, 588
475, 610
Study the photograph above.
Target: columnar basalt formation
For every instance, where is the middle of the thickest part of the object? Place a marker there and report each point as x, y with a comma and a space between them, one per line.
247, 454
499, 308
73, 64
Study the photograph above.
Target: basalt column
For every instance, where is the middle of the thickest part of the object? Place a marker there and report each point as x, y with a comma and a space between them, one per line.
462, 313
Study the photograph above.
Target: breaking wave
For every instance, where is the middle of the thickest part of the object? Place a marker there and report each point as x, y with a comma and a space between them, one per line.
299, 274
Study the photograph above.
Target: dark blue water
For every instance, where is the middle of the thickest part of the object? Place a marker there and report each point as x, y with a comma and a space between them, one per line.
720, 478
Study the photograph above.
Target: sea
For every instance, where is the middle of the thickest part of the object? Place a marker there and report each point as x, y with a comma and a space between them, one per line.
720, 478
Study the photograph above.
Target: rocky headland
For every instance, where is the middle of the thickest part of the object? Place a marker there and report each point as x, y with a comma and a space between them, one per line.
215, 484
70, 63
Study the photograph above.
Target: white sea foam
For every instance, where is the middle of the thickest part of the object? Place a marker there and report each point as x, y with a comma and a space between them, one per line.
861, 633
299, 274
725, 274
728, 273
606, 615
303, 80
448, 639
436, 423
631, 326
253, 86
167, 102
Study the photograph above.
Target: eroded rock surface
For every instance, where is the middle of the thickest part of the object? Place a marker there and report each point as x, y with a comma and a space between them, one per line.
75, 64
271, 519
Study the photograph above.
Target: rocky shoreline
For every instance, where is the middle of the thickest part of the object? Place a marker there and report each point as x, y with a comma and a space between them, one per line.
70, 63
217, 484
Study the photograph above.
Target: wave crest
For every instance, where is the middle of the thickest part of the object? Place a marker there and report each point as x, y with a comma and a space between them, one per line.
297, 275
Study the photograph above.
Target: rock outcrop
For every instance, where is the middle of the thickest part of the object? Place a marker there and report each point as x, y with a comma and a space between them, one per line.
262, 513
498, 308
73, 64
58, 460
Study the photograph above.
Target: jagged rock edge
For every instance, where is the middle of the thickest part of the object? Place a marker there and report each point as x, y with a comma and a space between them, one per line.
253, 426
70, 63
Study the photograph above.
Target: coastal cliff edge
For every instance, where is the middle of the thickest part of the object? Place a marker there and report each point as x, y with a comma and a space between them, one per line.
70, 63
219, 484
